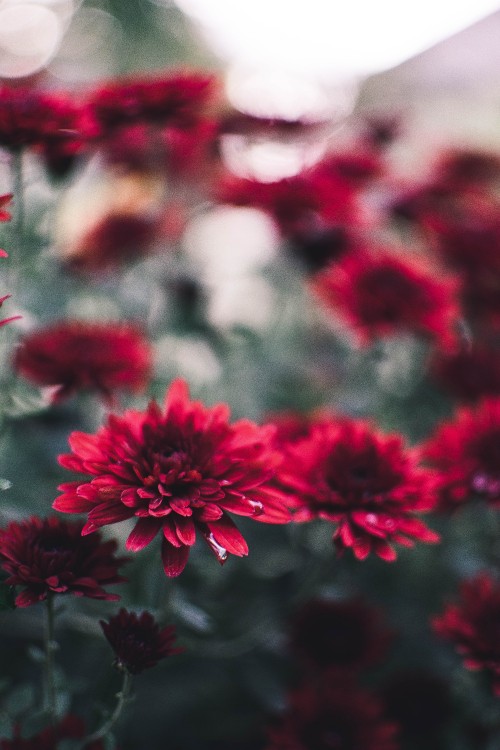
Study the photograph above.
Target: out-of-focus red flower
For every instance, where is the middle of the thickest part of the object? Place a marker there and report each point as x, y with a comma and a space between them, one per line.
177, 472
3, 322
469, 374
292, 426
466, 453
50, 122
118, 238
4, 201
332, 717
71, 356
175, 98
473, 626
365, 482
346, 635
297, 204
464, 167
357, 165
138, 641
71, 727
380, 294
49, 556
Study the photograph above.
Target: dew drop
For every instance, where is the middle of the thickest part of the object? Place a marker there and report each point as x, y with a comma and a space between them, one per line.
219, 551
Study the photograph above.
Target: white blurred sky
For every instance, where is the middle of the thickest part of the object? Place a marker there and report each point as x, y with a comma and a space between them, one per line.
330, 38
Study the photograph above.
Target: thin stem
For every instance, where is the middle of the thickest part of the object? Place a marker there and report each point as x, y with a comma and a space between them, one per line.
17, 224
50, 688
123, 697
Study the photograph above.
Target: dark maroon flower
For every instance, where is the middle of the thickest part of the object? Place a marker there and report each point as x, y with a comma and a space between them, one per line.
464, 167
379, 294
176, 472
50, 556
466, 453
365, 482
71, 356
469, 374
321, 247
69, 728
174, 98
473, 626
138, 641
332, 717
342, 634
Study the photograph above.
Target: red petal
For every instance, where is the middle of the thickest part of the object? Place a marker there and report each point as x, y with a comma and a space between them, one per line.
142, 534
228, 536
186, 531
174, 559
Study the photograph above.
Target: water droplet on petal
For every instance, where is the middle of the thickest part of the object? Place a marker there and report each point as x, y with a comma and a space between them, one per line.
219, 551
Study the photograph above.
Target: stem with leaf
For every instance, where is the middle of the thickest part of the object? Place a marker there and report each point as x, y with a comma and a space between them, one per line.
123, 698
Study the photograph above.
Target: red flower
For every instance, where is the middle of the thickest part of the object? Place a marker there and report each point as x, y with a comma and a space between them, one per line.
469, 374
466, 452
176, 98
340, 634
178, 472
4, 201
299, 205
137, 641
76, 355
365, 482
49, 556
473, 625
71, 727
332, 717
380, 294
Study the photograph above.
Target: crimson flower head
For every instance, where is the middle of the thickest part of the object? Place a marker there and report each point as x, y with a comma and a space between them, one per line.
175, 98
71, 356
365, 482
466, 453
177, 472
473, 626
332, 717
338, 634
69, 728
138, 641
50, 556
379, 294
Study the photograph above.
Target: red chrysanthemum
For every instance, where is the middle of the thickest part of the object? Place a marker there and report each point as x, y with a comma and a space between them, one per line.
175, 98
69, 728
50, 556
345, 635
473, 625
466, 452
469, 374
138, 641
365, 482
71, 356
379, 294
332, 717
179, 472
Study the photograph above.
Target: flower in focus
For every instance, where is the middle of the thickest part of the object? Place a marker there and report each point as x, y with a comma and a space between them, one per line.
466, 453
138, 641
69, 728
365, 482
176, 98
473, 626
177, 472
468, 374
341, 634
332, 717
381, 294
49, 556
71, 356
4, 201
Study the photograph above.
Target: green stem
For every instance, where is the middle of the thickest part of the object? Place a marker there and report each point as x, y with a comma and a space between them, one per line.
50, 688
105, 729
